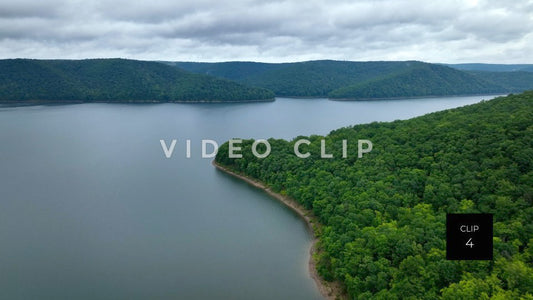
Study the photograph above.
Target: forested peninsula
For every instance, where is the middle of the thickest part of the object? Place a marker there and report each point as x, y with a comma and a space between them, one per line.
382, 217
114, 80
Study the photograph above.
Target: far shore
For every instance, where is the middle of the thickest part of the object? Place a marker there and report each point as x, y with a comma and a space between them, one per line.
329, 290
124, 101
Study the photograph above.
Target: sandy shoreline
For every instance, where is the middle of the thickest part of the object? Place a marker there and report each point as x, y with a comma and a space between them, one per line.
329, 290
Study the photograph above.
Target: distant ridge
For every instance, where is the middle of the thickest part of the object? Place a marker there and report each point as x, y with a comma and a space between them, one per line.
236, 70
417, 80
493, 67
359, 80
517, 81
122, 80
114, 80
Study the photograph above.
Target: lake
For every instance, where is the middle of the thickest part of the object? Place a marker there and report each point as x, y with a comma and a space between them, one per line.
91, 208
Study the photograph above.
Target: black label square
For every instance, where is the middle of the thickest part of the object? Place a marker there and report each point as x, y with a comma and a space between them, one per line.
469, 236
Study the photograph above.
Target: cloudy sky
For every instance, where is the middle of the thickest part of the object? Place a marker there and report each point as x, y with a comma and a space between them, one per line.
499, 31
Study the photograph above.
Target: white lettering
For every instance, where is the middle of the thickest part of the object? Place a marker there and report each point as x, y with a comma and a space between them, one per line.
188, 142
344, 148
204, 151
361, 150
232, 148
297, 151
254, 148
323, 150
168, 151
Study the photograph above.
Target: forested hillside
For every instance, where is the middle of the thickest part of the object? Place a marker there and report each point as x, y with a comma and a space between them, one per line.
356, 80
319, 78
230, 70
117, 80
419, 79
516, 81
114, 80
493, 67
382, 216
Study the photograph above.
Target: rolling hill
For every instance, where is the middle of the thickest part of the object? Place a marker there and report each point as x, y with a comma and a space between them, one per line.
516, 81
236, 70
301, 79
121, 80
114, 80
355, 80
493, 67
419, 79
319, 78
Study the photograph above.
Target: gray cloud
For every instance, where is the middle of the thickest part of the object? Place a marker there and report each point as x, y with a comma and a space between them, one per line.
24, 9
209, 30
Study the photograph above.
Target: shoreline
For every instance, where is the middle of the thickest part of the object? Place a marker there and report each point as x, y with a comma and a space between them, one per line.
15, 103
329, 290
502, 94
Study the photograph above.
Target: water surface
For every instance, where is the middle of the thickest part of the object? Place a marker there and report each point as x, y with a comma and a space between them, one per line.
90, 208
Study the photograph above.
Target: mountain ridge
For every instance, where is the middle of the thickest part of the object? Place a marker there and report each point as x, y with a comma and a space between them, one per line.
124, 80
419, 81
492, 67
357, 80
114, 80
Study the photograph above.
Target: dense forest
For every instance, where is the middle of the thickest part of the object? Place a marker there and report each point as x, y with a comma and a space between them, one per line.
382, 216
235, 70
347, 79
418, 79
516, 81
319, 78
121, 80
114, 80
493, 67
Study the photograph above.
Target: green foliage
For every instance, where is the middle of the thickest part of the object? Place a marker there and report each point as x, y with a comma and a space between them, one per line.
345, 79
383, 216
418, 79
229, 70
319, 78
493, 67
517, 81
114, 80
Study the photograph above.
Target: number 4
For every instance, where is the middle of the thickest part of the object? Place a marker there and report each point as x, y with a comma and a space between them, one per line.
469, 243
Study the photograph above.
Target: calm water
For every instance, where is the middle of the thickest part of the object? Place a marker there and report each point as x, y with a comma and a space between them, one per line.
90, 208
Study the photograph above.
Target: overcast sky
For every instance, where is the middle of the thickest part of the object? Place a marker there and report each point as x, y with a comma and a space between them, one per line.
499, 31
